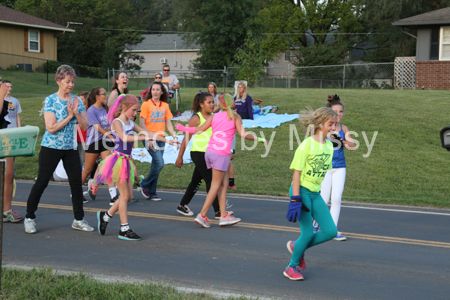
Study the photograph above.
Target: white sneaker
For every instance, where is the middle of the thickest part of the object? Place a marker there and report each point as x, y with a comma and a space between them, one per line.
30, 226
85, 193
340, 237
228, 220
81, 225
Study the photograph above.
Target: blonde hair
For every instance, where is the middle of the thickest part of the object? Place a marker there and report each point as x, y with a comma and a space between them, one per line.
315, 118
226, 101
244, 96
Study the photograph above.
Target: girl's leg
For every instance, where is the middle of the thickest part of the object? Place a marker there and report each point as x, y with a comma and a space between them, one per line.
325, 188
192, 188
216, 183
122, 203
104, 155
90, 159
223, 195
338, 179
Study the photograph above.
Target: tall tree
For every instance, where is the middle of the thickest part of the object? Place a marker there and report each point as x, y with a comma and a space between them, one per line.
87, 45
321, 31
386, 41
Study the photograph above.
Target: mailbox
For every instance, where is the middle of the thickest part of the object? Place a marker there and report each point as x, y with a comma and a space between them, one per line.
445, 138
18, 141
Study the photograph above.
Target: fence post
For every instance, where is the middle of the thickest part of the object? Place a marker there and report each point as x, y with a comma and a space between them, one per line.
288, 85
184, 80
274, 82
401, 75
108, 83
47, 71
343, 82
321, 83
297, 82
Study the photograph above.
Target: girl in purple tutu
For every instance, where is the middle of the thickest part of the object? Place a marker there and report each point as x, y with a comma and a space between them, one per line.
118, 167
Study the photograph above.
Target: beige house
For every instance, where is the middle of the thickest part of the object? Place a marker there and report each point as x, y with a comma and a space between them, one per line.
161, 49
25, 35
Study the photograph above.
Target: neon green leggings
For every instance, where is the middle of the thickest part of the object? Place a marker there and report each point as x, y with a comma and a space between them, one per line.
320, 212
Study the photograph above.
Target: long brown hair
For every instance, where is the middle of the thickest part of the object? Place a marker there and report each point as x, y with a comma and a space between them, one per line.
93, 97
164, 97
198, 99
115, 85
334, 100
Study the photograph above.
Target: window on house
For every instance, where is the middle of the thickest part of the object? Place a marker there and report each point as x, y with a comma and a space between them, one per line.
434, 49
444, 51
287, 56
33, 41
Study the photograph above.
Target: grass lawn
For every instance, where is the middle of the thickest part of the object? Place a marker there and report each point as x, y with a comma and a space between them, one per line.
44, 284
406, 164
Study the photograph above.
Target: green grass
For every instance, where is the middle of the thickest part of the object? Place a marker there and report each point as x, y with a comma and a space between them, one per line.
45, 284
407, 165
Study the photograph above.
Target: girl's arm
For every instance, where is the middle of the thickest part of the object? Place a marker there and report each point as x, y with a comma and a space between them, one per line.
170, 129
50, 120
19, 123
348, 142
3, 91
103, 131
117, 127
151, 135
296, 183
193, 122
245, 134
112, 98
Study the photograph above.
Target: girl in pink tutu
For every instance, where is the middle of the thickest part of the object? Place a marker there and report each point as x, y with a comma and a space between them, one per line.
217, 156
118, 167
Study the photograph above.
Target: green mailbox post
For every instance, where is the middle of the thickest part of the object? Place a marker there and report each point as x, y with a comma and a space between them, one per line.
14, 142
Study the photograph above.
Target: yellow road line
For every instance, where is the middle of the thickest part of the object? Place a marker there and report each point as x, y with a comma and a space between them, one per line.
260, 226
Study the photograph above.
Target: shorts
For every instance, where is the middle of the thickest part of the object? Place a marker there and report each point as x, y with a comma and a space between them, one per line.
100, 146
217, 161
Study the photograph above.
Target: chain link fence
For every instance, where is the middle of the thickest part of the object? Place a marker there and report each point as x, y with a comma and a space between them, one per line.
354, 76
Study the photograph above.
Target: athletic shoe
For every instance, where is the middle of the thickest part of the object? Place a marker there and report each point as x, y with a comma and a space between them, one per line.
138, 184
316, 228
12, 216
217, 214
340, 237
129, 235
30, 226
92, 189
101, 222
134, 200
155, 198
228, 220
293, 273
145, 193
202, 221
85, 200
81, 225
85, 193
184, 210
302, 264
233, 187
111, 202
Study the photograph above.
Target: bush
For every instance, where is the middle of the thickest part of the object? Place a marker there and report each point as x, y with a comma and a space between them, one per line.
13, 68
51, 66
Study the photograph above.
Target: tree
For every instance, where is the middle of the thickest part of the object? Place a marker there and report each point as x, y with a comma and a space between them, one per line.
221, 28
321, 32
8, 3
386, 41
251, 59
87, 45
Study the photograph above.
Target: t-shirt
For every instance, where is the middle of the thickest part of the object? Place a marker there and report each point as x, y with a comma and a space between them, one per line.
313, 159
171, 80
13, 110
244, 106
155, 116
96, 116
66, 137
223, 131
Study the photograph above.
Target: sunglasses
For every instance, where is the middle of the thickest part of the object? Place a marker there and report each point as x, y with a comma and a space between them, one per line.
158, 77
103, 94
165, 70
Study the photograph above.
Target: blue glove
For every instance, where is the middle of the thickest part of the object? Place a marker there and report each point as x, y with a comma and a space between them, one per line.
294, 211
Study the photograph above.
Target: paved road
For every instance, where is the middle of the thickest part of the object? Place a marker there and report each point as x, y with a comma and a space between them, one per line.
393, 253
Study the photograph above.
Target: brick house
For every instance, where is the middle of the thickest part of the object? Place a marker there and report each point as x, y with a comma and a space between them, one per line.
432, 49
22, 34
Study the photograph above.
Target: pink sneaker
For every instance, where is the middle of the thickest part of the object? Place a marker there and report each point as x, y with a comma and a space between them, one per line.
228, 220
302, 264
293, 273
202, 221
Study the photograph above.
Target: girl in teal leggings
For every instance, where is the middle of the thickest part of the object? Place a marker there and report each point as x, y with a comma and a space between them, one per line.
311, 162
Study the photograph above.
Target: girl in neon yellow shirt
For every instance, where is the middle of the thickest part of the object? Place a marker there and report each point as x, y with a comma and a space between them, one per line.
311, 162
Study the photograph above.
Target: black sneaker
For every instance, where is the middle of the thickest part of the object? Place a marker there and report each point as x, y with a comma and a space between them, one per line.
111, 202
184, 210
129, 235
101, 222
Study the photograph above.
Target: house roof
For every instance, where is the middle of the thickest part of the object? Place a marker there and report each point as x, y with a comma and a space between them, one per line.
14, 17
163, 42
437, 17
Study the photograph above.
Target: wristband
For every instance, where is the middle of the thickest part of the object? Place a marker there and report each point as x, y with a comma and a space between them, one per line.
190, 130
296, 198
260, 139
